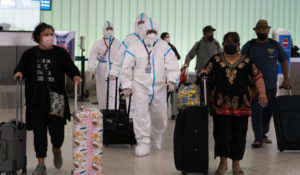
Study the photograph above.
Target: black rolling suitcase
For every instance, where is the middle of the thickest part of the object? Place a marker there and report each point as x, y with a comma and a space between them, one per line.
287, 122
191, 138
13, 142
117, 126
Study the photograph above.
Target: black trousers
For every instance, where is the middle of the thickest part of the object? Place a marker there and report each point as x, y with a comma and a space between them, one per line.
230, 136
42, 121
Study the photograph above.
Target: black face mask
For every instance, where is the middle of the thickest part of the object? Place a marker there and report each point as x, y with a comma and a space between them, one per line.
230, 49
210, 38
262, 36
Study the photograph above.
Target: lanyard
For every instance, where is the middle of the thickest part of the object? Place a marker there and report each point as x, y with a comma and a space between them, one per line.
149, 53
107, 47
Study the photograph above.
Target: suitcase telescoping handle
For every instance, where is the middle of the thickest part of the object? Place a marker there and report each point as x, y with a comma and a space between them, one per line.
75, 99
203, 77
107, 93
19, 108
129, 105
289, 90
116, 96
116, 93
205, 90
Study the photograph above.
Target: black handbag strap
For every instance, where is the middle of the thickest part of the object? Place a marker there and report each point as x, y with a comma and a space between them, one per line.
129, 105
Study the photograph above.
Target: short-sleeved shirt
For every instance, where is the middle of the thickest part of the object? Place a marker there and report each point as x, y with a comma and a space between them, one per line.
232, 85
265, 56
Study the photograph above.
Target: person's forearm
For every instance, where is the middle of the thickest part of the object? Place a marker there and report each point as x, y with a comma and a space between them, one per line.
187, 59
285, 69
190, 55
260, 85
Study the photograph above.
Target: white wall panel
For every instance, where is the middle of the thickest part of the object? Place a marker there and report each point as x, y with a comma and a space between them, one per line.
183, 19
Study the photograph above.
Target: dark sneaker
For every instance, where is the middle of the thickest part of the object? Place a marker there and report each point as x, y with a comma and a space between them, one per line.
257, 144
57, 161
173, 117
39, 170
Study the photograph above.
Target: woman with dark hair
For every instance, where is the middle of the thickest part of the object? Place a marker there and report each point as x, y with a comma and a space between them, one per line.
234, 81
44, 67
166, 36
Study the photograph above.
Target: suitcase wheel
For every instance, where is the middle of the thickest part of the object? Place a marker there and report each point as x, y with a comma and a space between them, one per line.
281, 150
183, 172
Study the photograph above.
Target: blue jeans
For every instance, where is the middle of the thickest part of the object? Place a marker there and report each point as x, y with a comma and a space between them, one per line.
261, 116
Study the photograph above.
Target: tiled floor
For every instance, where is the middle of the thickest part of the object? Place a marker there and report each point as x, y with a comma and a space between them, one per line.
120, 159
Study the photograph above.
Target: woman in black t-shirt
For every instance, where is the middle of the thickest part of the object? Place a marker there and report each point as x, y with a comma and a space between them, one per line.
44, 67
234, 81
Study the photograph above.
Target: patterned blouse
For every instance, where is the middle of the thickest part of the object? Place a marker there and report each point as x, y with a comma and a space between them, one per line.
233, 85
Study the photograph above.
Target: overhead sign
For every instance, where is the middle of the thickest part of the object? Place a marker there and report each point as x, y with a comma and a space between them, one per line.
45, 4
285, 42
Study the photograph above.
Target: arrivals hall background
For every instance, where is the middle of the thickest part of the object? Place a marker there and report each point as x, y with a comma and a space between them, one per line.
183, 19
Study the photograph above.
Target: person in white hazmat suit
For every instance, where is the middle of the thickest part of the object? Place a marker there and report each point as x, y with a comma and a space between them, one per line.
128, 41
100, 61
145, 69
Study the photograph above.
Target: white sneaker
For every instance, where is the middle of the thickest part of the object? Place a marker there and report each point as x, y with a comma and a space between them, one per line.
142, 150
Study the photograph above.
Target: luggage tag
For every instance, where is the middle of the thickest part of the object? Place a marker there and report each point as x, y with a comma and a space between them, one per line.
148, 69
101, 58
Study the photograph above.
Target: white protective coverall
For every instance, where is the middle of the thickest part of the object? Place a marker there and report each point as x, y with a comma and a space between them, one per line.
127, 42
100, 60
149, 87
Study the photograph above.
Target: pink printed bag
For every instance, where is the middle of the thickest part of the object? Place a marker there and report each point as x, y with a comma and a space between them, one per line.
87, 140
